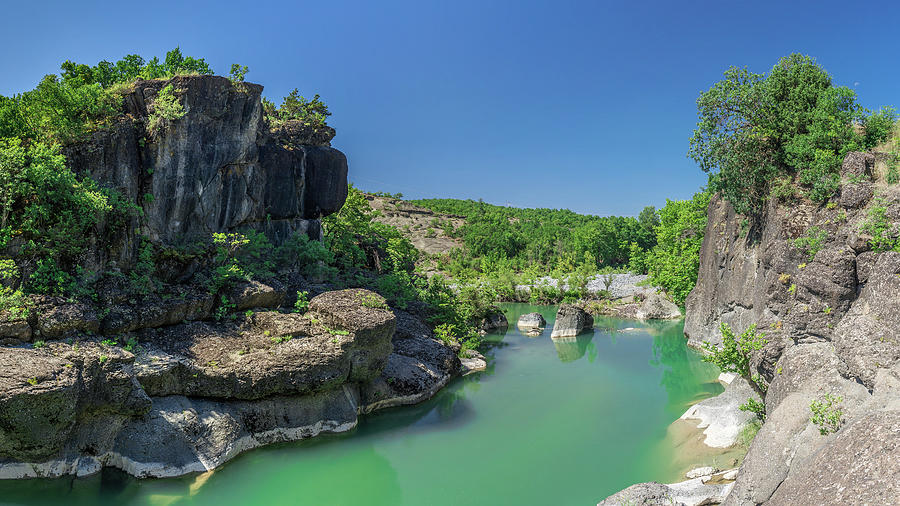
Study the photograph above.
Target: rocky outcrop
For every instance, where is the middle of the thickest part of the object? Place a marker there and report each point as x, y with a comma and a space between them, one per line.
808, 277
531, 321
176, 367
720, 416
570, 321
705, 486
494, 320
217, 169
189, 396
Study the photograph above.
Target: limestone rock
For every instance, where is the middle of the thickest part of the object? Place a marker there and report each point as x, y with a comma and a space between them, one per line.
531, 321
56, 317
859, 466
657, 307
642, 494
720, 417
570, 321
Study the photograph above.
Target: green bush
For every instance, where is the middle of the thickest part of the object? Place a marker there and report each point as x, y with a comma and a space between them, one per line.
879, 227
811, 242
826, 415
734, 356
754, 129
313, 112
240, 257
674, 262
165, 109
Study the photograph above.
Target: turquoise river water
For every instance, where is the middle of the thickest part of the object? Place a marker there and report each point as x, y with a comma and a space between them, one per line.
549, 422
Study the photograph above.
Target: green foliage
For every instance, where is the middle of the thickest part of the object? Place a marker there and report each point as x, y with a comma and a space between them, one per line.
302, 302
240, 257
142, 277
674, 262
313, 112
64, 108
811, 242
357, 241
756, 407
225, 306
47, 211
753, 129
238, 73
826, 414
38, 344
879, 227
165, 109
734, 355
508, 238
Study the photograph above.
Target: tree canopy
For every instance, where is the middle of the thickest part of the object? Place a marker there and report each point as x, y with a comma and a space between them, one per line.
790, 126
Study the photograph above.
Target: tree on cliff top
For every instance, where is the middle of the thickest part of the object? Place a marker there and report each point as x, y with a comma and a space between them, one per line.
792, 123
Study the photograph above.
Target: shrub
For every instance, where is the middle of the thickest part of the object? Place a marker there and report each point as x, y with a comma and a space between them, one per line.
811, 242
165, 109
877, 225
826, 415
734, 355
240, 257
674, 262
302, 302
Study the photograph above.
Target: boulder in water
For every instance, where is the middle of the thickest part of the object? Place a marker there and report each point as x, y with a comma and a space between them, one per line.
570, 321
531, 321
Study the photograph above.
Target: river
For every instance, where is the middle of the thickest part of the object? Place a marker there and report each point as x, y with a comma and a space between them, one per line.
549, 422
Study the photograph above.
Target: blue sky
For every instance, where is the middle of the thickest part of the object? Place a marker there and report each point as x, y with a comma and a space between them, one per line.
585, 105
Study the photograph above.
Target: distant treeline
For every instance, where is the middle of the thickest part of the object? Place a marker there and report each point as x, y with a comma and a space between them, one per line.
552, 238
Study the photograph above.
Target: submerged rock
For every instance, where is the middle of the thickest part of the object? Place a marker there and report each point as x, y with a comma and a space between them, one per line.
570, 321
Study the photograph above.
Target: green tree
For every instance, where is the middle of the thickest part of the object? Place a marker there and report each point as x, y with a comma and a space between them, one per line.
674, 262
792, 122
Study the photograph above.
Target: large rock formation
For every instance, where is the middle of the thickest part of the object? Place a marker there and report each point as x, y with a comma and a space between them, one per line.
189, 396
217, 169
570, 321
809, 277
188, 374
827, 304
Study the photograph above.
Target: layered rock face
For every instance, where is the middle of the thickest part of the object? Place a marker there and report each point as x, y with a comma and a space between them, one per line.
216, 169
808, 277
187, 397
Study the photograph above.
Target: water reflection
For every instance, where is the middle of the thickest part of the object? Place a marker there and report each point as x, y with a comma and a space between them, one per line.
680, 369
570, 349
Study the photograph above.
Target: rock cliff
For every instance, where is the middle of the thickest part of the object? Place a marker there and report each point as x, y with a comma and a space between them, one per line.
822, 284
809, 277
183, 377
218, 168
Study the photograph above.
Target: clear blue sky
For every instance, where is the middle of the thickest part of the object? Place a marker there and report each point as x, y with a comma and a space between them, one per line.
581, 105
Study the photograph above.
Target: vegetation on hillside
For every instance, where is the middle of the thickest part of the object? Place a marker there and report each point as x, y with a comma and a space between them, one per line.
780, 135
542, 238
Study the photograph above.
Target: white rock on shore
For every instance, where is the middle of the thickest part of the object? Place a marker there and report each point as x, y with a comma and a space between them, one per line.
720, 416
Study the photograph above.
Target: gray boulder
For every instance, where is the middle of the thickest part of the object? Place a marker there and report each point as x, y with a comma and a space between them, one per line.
495, 320
859, 466
531, 321
642, 494
570, 321
657, 307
